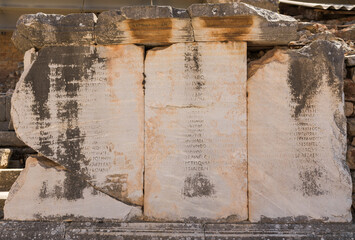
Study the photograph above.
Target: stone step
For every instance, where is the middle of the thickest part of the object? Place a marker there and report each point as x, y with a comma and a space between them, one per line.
8, 177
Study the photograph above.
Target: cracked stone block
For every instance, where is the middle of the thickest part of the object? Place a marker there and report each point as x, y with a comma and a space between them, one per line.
83, 108
241, 22
5, 154
195, 132
297, 136
272, 5
149, 25
47, 191
39, 30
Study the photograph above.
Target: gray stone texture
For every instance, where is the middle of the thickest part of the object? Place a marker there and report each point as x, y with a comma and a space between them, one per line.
241, 22
2, 108
10, 139
39, 30
272, 5
350, 60
12, 230
150, 25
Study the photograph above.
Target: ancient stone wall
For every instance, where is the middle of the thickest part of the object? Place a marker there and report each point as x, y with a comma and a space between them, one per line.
153, 112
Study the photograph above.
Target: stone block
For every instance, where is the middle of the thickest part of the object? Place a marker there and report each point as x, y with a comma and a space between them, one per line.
349, 109
241, 22
297, 136
39, 30
83, 108
5, 154
46, 191
10, 139
350, 60
350, 157
7, 178
351, 127
272, 5
149, 25
349, 90
2, 108
195, 151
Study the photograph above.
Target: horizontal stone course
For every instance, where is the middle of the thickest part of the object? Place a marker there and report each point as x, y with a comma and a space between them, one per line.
172, 231
157, 25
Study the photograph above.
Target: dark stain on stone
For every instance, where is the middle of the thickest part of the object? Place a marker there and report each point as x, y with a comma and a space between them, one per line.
310, 182
74, 186
229, 28
198, 185
156, 30
43, 192
116, 184
307, 68
193, 66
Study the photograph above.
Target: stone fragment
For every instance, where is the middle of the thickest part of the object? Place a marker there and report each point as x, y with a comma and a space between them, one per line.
350, 60
5, 154
83, 108
7, 178
46, 191
353, 142
349, 90
272, 5
195, 152
346, 33
241, 22
350, 157
39, 30
297, 136
351, 127
2, 108
9, 139
150, 25
349, 109
351, 73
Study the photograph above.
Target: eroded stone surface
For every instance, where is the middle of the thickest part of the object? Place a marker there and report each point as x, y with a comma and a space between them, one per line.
297, 136
39, 30
5, 154
82, 107
241, 22
272, 5
45, 190
195, 157
151, 25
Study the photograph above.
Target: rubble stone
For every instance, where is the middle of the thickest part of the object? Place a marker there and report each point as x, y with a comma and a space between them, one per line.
5, 154
349, 109
297, 136
350, 60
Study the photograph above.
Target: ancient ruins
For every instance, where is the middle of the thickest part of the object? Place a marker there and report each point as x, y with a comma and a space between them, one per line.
157, 114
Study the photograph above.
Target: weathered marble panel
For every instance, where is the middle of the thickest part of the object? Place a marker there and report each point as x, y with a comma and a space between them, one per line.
46, 191
241, 22
82, 107
150, 25
195, 150
297, 136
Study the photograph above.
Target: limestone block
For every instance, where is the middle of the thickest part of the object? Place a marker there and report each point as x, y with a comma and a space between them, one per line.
5, 154
241, 22
7, 178
82, 107
272, 5
297, 136
195, 152
9, 139
46, 191
150, 25
39, 30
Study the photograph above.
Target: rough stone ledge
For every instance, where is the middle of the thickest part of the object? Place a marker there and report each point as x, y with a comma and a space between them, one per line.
157, 25
117, 230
